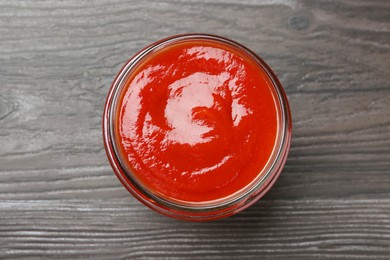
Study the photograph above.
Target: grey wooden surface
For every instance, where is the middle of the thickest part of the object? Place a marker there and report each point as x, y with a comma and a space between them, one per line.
59, 197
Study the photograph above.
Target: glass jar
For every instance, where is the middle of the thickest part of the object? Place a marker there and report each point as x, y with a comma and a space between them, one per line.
207, 210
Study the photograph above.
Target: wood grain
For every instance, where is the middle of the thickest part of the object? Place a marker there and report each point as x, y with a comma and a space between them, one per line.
60, 198
110, 229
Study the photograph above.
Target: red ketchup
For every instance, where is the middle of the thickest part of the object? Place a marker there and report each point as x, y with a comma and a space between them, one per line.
196, 123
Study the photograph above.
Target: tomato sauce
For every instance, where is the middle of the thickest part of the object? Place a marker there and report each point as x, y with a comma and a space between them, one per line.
197, 121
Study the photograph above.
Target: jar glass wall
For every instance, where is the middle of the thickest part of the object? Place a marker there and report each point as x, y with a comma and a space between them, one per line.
196, 210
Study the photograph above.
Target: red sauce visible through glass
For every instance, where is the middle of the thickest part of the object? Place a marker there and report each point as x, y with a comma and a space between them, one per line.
197, 121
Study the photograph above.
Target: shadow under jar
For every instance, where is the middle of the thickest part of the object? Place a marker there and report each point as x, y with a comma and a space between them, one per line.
197, 127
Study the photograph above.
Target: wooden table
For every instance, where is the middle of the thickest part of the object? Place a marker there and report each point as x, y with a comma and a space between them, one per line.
60, 198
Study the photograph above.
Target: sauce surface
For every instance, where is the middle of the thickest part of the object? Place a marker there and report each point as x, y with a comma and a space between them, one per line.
196, 121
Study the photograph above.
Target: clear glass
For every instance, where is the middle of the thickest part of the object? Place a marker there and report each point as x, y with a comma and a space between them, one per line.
208, 210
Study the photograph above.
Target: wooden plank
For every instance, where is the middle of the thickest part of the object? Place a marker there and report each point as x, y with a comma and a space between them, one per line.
123, 228
58, 60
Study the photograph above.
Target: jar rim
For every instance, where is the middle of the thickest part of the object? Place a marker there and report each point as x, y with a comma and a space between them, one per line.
236, 201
